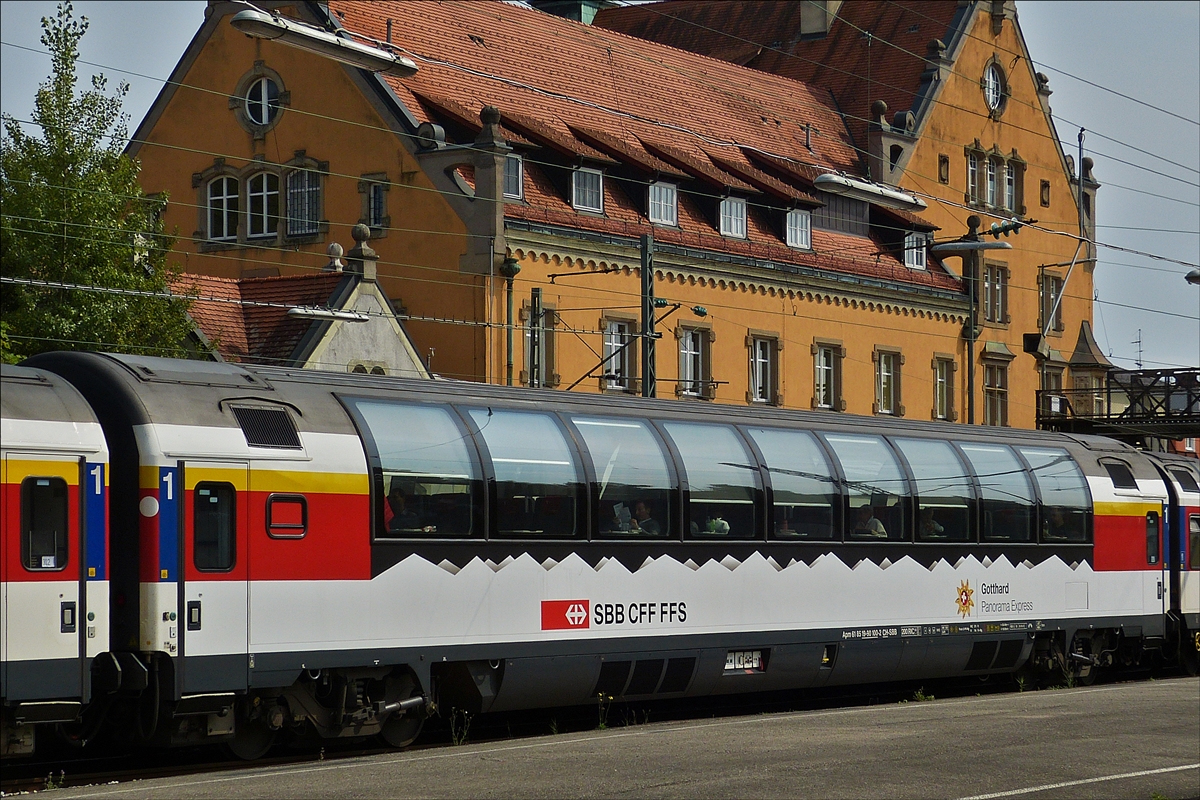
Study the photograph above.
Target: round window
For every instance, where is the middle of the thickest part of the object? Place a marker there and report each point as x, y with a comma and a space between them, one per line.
262, 101
993, 87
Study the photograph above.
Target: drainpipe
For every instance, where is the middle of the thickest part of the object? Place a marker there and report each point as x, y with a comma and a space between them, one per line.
509, 270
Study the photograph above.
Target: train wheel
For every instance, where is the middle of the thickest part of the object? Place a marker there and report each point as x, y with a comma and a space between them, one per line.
1189, 652
252, 737
401, 731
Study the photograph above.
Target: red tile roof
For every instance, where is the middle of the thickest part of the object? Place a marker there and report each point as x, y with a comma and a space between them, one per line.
584, 92
227, 314
765, 35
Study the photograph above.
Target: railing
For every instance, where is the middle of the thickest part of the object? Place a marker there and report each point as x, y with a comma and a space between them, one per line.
1137, 402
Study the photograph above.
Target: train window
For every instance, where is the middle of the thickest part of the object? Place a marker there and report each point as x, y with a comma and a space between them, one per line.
429, 477
803, 485
44, 524
875, 487
722, 480
287, 516
1152, 537
1120, 473
1065, 498
943, 490
214, 526
1186, 481
634, 488
1006, 496
1194, 542
537, 483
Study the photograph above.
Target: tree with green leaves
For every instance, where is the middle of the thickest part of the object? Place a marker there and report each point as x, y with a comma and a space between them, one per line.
72, 214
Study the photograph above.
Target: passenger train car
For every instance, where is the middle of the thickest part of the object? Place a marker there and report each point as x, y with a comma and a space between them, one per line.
338, 555
53, 552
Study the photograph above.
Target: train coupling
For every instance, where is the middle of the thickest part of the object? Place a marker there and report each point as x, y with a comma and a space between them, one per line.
384, 708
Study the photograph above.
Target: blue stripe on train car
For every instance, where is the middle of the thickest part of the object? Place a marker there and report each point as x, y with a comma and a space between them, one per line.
168, 523
97, 533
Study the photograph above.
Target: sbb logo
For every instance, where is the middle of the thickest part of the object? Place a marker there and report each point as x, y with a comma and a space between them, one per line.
560, 615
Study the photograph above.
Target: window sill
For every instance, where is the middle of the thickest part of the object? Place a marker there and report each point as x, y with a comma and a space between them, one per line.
590, 212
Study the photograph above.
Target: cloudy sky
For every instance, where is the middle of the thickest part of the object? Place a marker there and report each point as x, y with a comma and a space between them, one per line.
1147, 51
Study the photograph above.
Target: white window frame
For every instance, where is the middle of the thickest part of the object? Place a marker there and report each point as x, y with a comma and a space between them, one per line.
581, 194
663, 205
517, 163
1010, 186
943, 388
692, 380
262, 108
825, 379
995, 293
376, 205
733, 221
618, 333
303, 202
995, 394
798, 233
993, 87
262, 224
991, 182
220, 216
973, 176
914, 250
762, 378
886, 384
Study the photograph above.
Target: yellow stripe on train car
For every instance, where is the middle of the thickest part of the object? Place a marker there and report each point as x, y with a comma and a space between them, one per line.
1134, 509
21, 468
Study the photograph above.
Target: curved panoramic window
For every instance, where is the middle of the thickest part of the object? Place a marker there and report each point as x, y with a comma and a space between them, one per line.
943, 490
1066, 502
875, 487
1006, 498
722, 480
633, 482
429, 478
801, 482
262, 101
537, 483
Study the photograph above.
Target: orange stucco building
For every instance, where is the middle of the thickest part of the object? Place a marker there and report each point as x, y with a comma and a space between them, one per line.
487, 159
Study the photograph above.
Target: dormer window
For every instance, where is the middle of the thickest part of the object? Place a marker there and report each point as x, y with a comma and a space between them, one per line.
733, 217
914, 250
514, 177
587, 191
799, 229
664, 204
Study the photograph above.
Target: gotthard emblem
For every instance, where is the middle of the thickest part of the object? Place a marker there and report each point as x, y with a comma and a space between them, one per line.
964, 600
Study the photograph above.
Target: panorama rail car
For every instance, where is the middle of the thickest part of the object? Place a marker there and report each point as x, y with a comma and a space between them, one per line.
339, 555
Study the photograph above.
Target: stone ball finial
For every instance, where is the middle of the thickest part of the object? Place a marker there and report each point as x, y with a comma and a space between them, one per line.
360, 232
878, 109
973, 222
490, 115
1088, 163
335, 250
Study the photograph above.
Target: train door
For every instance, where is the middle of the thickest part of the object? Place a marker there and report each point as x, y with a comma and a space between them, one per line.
213, 594
43, 572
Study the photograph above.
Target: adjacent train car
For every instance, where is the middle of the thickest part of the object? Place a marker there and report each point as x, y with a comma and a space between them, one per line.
53, 554
338, 553
1181, 476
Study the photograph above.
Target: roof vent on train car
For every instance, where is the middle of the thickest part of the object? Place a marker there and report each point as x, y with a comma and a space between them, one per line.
1120, 473
267, 427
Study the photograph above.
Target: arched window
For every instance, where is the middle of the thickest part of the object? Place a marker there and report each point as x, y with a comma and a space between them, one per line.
222, 208
993, 88
262, 194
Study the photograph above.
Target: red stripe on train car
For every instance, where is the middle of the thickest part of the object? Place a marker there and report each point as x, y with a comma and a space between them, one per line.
1120, 544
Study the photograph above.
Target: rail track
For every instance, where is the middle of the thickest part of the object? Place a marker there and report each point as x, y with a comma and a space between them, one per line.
64, 768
